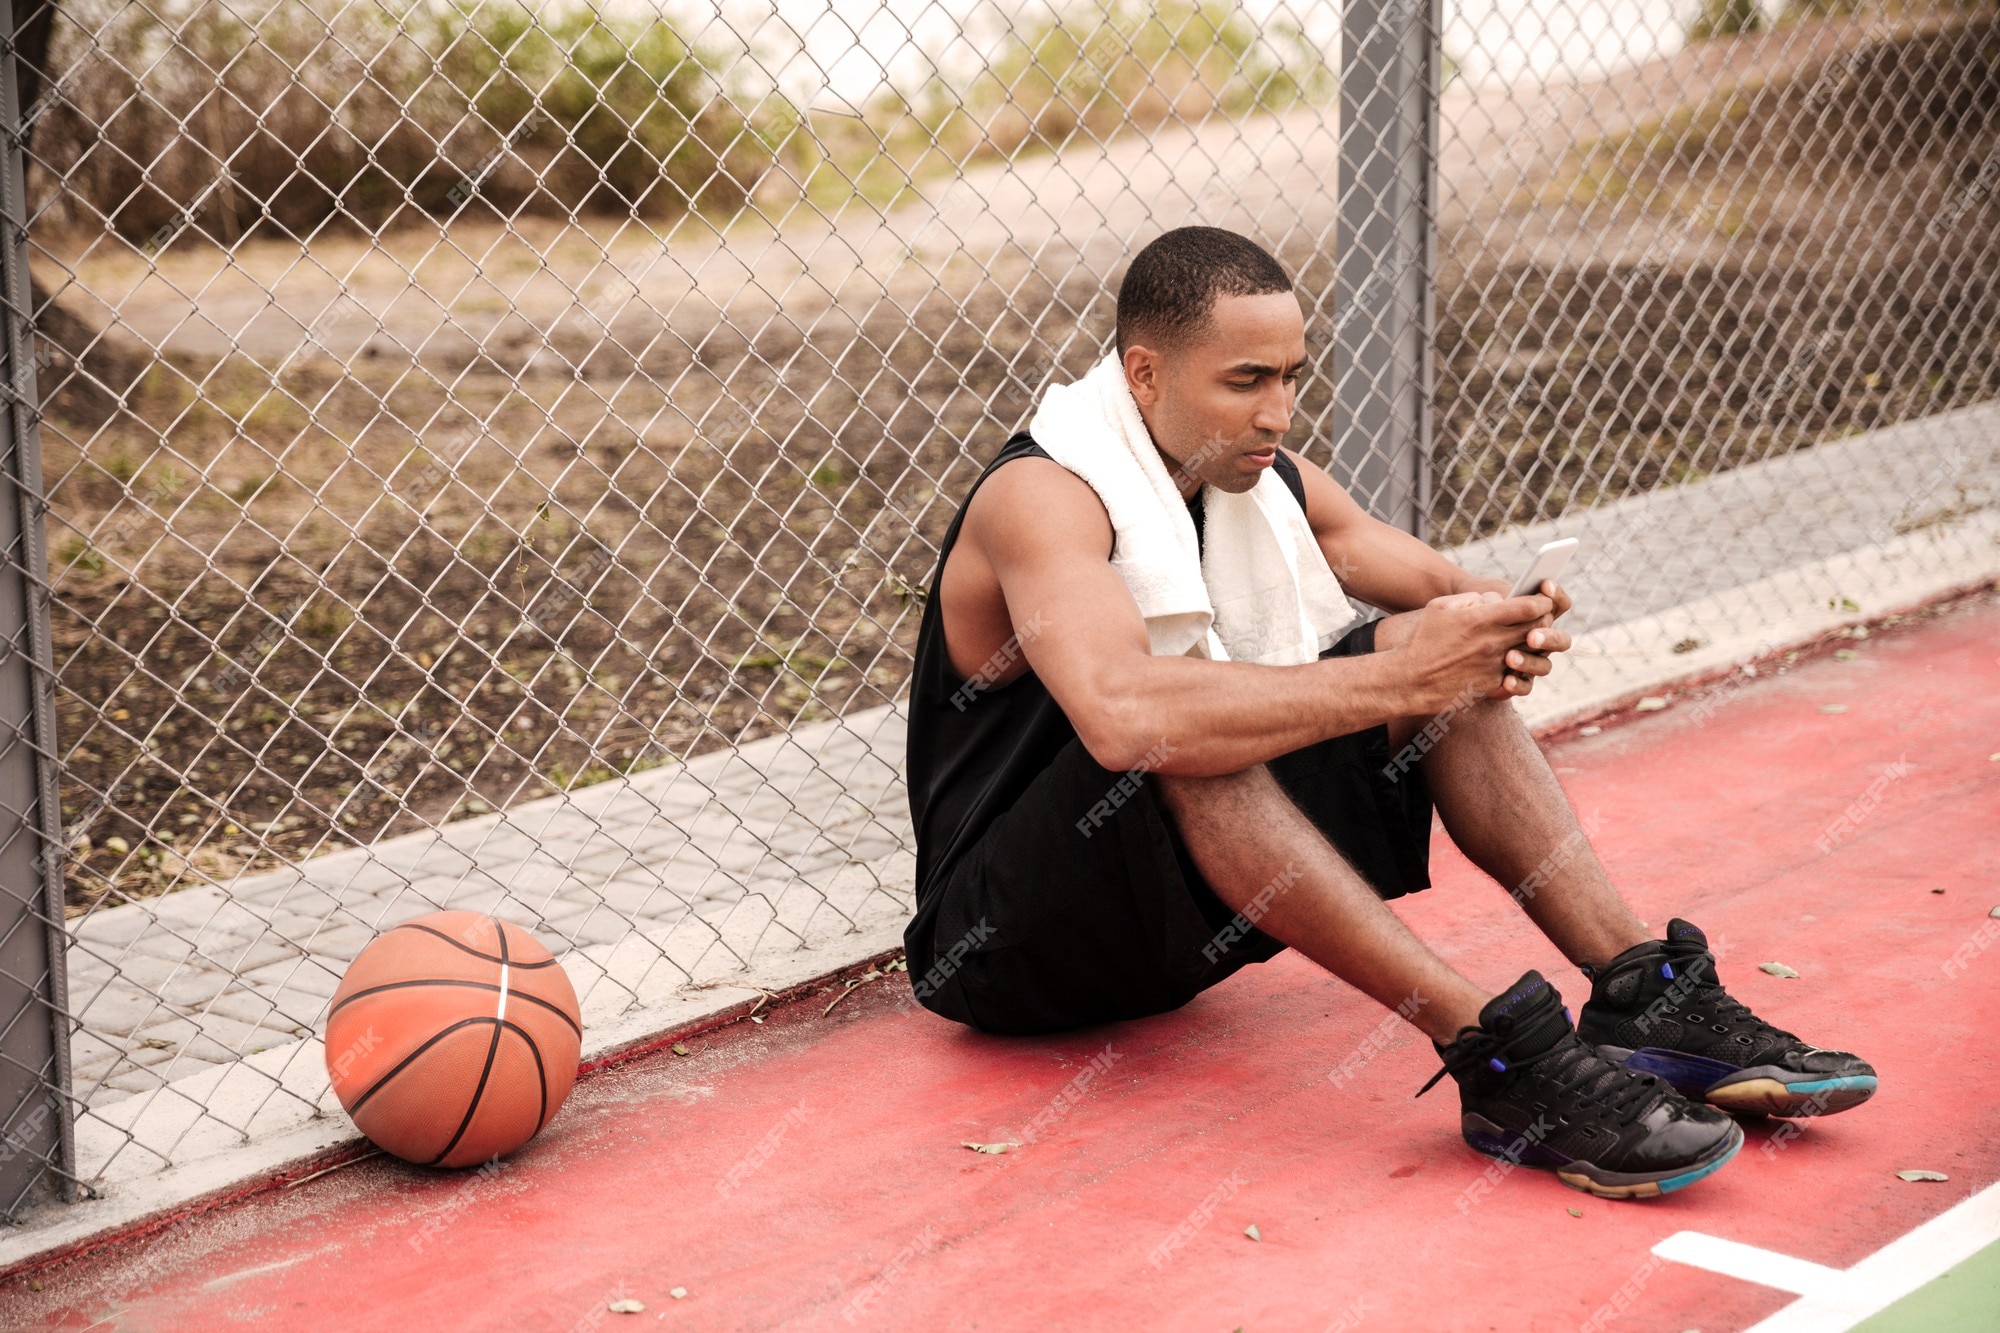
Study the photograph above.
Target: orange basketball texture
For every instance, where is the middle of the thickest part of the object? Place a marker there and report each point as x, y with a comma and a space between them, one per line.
453, 1039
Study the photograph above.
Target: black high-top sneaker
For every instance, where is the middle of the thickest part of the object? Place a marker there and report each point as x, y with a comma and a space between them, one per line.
1658, 1008
1531, 1094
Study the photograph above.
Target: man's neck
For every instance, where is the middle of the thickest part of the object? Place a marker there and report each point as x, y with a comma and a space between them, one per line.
1186, 484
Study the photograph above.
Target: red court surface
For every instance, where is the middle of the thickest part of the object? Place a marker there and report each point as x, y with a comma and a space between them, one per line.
808, 1173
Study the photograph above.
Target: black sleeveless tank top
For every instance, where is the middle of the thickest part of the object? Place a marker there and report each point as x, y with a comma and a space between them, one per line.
972, 750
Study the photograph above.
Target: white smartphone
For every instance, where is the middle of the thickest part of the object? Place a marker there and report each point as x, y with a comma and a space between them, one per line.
1549, 562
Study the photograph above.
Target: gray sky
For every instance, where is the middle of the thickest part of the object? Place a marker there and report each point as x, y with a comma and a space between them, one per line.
828, 51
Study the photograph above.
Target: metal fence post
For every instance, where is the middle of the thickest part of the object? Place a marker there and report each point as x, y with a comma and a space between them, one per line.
1389, 77
37, 1145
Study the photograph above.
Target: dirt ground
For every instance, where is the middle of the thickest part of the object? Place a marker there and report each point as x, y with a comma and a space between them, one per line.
399, 528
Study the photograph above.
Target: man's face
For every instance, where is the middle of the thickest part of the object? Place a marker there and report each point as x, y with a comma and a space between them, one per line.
1219, 407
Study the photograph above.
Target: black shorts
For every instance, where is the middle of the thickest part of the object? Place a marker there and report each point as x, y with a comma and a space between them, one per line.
1082, 904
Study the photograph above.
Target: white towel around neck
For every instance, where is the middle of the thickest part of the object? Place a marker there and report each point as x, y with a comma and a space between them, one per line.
1256, 588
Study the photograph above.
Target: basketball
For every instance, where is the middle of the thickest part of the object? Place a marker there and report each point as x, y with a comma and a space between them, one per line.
453, 1039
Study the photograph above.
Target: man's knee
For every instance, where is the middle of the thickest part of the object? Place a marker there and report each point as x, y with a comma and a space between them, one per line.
1411, 738
1185, 794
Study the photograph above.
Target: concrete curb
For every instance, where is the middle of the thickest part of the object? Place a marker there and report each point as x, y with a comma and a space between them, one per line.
1616, 666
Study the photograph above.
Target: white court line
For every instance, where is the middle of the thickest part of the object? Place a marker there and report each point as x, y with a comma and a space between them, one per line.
1735, 1259
1832, 1300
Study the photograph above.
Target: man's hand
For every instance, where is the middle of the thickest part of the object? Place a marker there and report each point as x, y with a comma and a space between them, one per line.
1469, 645
1532, 658
1539, 642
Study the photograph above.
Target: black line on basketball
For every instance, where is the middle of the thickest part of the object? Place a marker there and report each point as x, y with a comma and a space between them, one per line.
478, 1092
542, 1117
377, 1085
553, 1008
432, 930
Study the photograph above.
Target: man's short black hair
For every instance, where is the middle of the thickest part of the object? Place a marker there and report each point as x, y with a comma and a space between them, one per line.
1167, 297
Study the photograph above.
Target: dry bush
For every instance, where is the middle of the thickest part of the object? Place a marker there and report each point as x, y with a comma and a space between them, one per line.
284, 115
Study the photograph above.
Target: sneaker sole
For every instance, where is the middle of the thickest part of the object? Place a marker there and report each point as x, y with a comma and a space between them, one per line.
1760, 1089
1823, 1096
1489, 1139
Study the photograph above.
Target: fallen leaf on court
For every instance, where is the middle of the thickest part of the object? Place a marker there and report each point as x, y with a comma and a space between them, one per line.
1994, 912
680, 1048
1576, 1212
1777, 969
900, 965
1845, 654
1590, 731
679, 1293
1922, 1175
1652, 703
1688, 644
1937, 890
1833, 708
1252, 1232
1842, 604
995, 1148
627, 1306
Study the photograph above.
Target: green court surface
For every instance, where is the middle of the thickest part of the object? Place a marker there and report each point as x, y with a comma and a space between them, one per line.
1960, 1300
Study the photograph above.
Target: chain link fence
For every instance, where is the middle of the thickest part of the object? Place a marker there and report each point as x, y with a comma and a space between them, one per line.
494, 456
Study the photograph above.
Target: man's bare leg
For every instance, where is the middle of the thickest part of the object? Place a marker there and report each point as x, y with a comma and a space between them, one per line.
1502, 805
1499, 801
1245, 833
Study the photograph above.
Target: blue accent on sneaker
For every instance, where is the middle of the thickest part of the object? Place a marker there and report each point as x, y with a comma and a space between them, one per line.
1672, 1183
1690, 1075
1840, 1084
1498, 1064
1517, 1150
1667, 971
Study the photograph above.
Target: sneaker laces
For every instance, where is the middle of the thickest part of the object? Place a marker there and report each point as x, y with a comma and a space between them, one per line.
1580, 1072
1572, 1069
1706, 995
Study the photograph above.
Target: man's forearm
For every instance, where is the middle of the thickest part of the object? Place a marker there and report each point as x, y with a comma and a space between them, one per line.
1189, 716
1387, 567
1464, 582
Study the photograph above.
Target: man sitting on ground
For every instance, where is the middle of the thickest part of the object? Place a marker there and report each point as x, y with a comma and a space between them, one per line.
1126, 787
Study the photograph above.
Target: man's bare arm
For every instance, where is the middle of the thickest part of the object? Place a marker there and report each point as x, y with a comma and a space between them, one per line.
1377, 562
1387, 567
1045, 534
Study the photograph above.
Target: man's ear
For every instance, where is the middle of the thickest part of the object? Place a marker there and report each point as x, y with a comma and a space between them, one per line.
1142, 374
